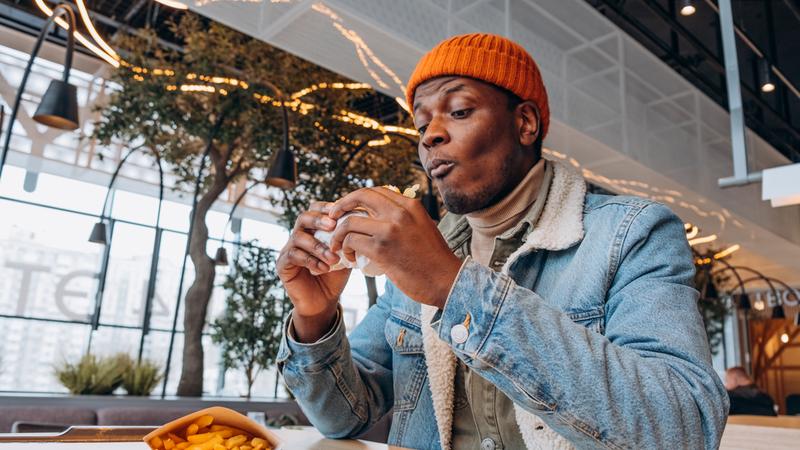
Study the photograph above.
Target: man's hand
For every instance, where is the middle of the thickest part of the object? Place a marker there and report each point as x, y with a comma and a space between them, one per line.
304, 268
401, 239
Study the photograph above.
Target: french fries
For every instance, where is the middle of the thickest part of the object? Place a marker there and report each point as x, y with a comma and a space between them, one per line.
203, 434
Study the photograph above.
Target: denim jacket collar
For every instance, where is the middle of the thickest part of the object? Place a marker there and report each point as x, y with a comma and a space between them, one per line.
560, 226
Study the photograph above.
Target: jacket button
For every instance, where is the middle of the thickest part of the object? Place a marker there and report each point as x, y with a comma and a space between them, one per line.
487, 444
459, 334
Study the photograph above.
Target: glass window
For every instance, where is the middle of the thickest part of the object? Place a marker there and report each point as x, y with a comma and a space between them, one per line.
30, 349
135, 207
175, 216
269, 235
170, 260
48, 269
127, 275
156, 349
107, 341
51, 189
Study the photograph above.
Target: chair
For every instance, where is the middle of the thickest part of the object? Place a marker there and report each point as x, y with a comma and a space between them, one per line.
793, 405
33, 427
52, 415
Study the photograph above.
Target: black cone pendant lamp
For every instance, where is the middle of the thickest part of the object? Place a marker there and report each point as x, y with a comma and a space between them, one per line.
221, 258
282, 172
99, 234
59, 106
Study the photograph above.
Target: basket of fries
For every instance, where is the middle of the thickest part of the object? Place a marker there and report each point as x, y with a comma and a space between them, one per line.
214, 428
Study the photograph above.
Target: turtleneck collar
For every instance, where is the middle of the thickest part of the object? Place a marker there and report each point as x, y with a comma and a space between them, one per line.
522, 206
503, 215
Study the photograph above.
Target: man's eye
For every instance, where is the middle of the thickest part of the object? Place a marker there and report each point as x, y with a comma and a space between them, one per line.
461, 113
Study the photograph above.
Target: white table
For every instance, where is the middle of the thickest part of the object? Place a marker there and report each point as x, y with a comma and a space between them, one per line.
305, 438
753, 437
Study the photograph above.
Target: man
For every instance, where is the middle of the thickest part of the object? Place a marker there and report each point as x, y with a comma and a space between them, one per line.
745, 397
535, 316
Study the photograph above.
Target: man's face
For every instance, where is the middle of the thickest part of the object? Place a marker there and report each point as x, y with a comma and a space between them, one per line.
470, 141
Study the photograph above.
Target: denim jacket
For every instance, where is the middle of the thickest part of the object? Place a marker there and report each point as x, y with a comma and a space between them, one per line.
591, 328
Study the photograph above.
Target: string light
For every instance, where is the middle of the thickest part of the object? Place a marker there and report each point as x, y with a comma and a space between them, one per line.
785, 338
379, 142
403, 104
86, 43
206, 2
368, 122
173, 4
87, 21
108, 54
702, 240
197, 88
727, 251
362, 49
351, 86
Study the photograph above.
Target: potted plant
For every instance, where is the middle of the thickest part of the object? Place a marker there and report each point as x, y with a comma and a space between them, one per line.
93, 375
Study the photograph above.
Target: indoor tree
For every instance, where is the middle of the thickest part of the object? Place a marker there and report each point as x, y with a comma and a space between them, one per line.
249, 329
223, 94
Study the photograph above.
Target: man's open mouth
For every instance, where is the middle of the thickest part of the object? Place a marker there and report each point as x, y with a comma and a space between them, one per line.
440, 169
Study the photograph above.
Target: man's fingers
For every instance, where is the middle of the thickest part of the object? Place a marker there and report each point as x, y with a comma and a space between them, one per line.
357, 243
308, 244
353, 224
314, 220
370, 199
322, 207
300, 258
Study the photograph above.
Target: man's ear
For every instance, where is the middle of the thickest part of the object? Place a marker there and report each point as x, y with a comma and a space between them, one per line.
528, 123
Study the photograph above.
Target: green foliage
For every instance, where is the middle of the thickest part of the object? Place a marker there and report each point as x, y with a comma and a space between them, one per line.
178, 124
93, 375
249, 331
148, 109
142, 378
713, 310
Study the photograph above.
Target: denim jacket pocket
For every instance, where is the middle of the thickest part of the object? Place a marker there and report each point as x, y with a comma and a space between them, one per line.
593, 318
408, 361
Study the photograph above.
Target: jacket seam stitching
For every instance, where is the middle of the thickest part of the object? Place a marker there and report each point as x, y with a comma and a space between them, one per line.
347, 394
495, 312
619, 244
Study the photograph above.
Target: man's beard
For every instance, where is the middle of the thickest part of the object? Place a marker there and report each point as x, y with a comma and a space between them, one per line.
461, 202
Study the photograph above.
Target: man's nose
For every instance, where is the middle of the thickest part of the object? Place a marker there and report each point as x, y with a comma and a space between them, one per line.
435, 134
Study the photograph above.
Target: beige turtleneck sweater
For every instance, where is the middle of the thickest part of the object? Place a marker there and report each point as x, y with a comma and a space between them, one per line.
491, 222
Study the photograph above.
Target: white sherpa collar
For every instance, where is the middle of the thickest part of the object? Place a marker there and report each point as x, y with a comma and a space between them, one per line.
559, 227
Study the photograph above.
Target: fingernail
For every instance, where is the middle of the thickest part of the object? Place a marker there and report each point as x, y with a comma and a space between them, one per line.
328, 222
330, 256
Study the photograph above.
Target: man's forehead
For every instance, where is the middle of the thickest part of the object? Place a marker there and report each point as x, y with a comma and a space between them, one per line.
440, 85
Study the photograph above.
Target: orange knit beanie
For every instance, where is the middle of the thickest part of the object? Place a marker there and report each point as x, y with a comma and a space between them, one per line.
486, 57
